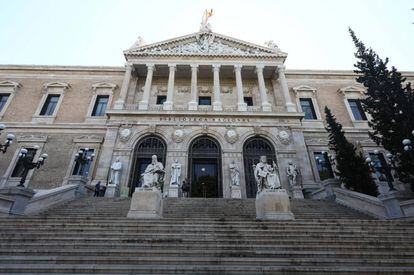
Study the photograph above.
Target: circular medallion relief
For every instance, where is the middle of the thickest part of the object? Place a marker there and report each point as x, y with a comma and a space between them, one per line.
284, 137
232, 136
178, 135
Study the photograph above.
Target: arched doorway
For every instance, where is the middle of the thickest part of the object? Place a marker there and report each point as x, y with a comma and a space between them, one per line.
145, 148
253, 148
204, 162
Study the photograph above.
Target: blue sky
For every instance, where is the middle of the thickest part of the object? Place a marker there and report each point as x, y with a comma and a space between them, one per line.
95, 32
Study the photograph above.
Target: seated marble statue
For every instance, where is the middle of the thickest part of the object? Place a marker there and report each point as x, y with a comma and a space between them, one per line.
154, 174
266, 175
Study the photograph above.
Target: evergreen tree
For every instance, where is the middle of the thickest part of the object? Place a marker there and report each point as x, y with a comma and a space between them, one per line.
352, 168
390, 102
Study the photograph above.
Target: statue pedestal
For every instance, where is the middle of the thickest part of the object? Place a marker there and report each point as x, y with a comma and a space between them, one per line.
235, 192
297, 192
273, 205
173, 191
112, 190
146, 203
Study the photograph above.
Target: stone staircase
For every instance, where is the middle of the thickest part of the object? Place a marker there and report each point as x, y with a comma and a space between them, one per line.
203, 236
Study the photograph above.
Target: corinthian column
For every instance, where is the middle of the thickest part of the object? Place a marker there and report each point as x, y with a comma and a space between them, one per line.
143, 104
168, 104
217, 106
192, 105
290, 107
119, 104
266, 107
241, 105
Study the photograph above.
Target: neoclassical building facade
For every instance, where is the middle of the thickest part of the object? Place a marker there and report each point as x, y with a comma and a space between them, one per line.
203, 99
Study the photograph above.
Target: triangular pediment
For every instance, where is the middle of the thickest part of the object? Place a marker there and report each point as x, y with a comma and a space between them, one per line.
208, 44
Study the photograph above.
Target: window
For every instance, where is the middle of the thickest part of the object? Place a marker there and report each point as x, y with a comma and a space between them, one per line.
248, 100
83, 169
204, 100
50, 105
323, 165
161, 99
356, 108
382, 169
307, 107
3, 100
19, 168
100, 105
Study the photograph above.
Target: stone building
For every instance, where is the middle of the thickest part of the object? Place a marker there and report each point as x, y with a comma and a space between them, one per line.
204, 99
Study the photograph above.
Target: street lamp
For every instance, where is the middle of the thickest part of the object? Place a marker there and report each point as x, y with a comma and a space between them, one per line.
387, 169
407, 143
83, 158
28, 164
9, 139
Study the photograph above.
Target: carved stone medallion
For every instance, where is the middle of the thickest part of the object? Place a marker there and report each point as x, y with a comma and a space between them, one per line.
231, 136
178, 135
125, 134
284, 137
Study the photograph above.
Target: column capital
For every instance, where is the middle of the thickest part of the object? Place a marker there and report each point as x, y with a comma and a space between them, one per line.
238, 67
259, 68
194, 67
172, 66
216, 67
281, 68
150, 67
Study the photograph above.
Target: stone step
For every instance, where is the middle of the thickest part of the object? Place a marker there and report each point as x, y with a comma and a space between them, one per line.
194, 269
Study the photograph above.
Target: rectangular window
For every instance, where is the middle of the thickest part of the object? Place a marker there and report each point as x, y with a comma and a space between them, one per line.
161, 99
248, 100
323, 165
100, 105
19, 168
83, 169
204, 100
307, 107
3, 100
50, 104
382, 169
356, 108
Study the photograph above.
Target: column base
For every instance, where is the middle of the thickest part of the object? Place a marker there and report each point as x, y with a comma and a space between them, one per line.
173, 191
266, 107
241, 107
143, 105
217, 106
119, 104
146, 203
297, 192
235, 192
290, 107
273, 205
192, 106
168, 106
112, 190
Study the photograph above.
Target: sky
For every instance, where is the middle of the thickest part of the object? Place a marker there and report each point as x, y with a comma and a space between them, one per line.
314, 33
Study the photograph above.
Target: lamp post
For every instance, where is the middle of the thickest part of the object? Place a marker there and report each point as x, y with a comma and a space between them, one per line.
331, 160
9, 139
407, 143
387, 170
28, 164
82, 158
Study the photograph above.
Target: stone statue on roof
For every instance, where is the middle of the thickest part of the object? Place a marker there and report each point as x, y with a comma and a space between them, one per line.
205, 26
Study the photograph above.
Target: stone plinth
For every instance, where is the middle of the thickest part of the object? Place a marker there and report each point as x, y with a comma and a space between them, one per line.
235, 192
81, 182
273, 205
173, 191
112, 190
392, 205
297, 192
21, 197
146, 203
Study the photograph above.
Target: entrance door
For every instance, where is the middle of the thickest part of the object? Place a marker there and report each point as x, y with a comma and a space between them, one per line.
253, 148
145, 148
205, 168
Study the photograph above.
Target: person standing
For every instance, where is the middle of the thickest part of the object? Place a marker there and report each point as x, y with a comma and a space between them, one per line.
185, 187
